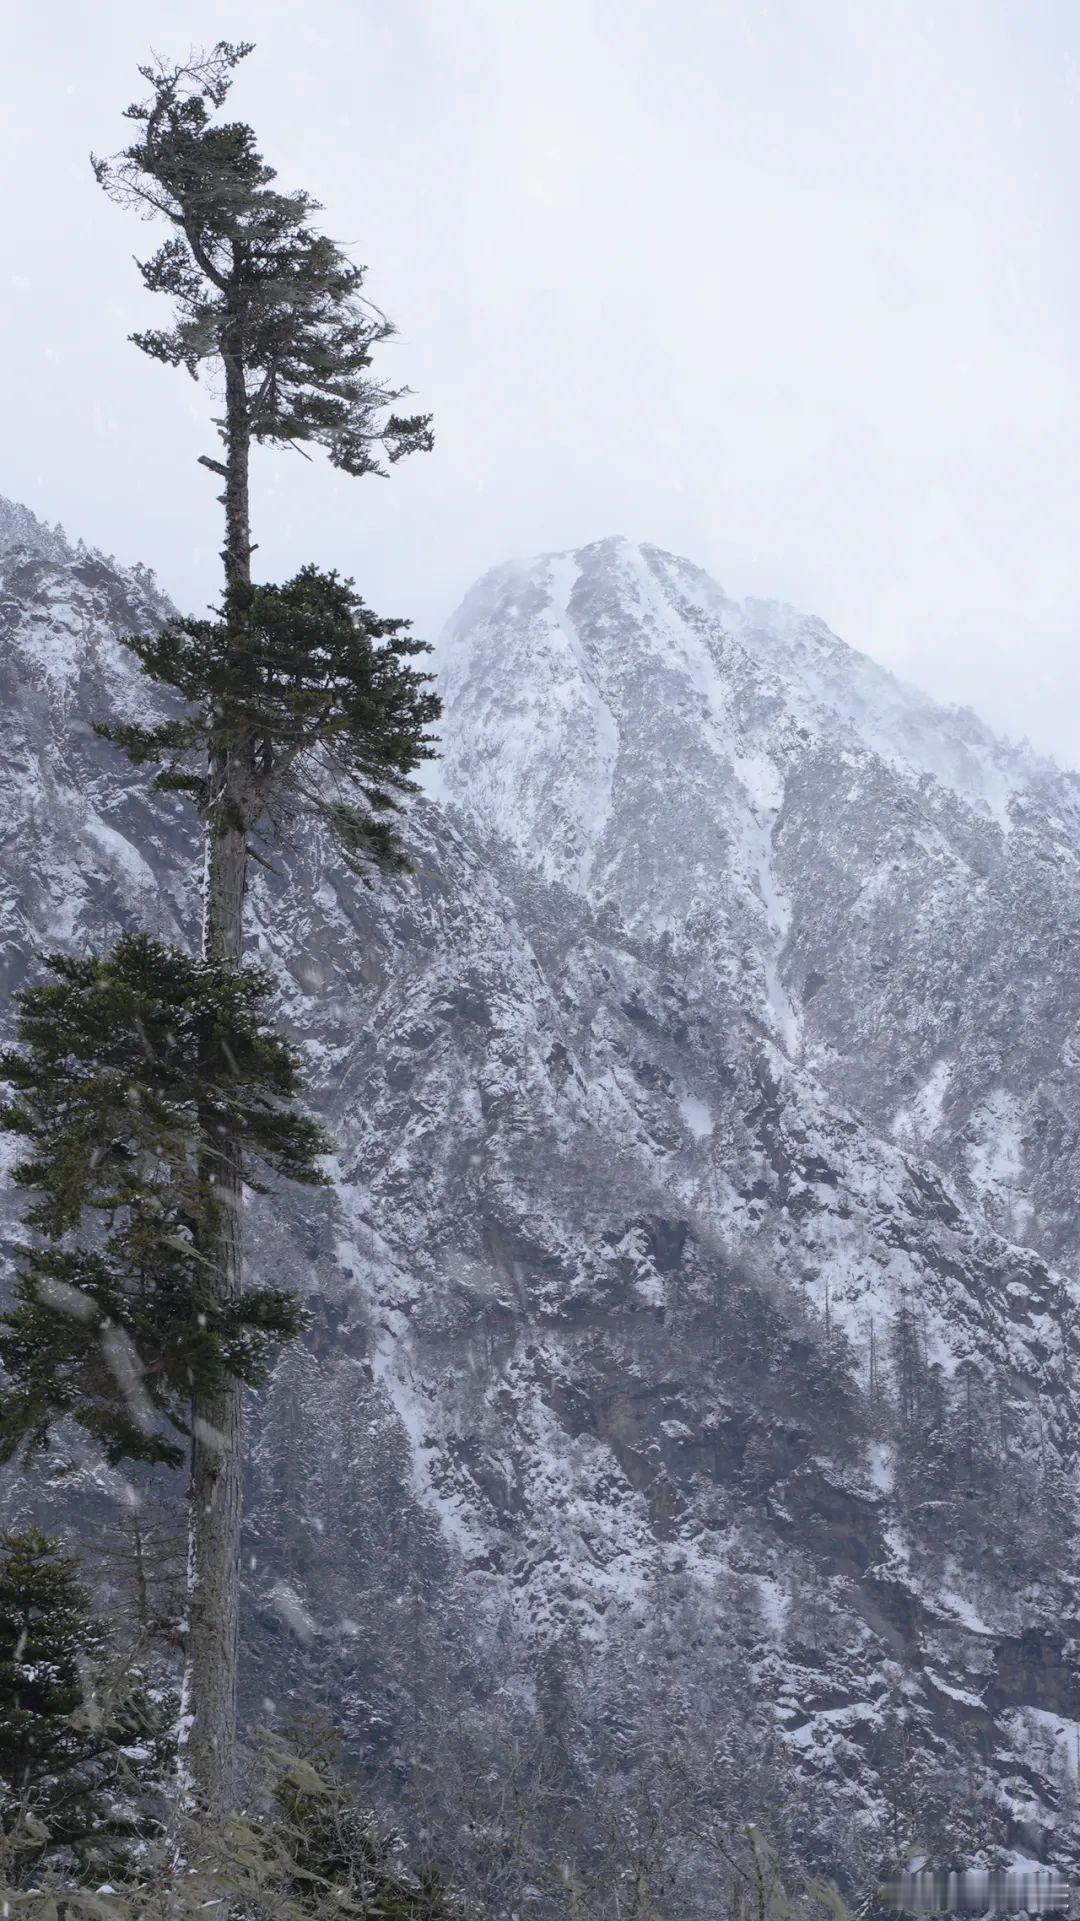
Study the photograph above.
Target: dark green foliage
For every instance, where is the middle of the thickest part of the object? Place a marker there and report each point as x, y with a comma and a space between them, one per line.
71, 1743
126, 1059
253, 284
46, 1636
131, 1068
311, 695
125, 1354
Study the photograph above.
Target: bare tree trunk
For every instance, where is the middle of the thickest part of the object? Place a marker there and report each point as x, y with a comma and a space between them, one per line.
208, 1722
237, 550
208, 1725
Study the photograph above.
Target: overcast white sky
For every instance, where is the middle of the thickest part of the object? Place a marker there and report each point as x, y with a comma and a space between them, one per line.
791, 288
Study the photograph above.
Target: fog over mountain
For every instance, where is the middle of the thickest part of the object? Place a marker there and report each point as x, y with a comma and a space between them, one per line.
691, 1390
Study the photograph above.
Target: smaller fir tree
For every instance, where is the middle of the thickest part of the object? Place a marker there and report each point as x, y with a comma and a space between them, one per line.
132, 1068
70, 1749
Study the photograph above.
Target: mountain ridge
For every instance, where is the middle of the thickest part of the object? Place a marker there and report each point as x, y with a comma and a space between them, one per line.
803, 646
669, 1299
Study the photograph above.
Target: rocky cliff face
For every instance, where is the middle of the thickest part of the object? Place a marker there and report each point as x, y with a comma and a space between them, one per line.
693, 1368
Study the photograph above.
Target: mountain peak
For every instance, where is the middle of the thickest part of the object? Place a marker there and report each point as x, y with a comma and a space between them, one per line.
564, 674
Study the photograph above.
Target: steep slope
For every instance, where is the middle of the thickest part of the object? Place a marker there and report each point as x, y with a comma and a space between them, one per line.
81, 845
673, 1315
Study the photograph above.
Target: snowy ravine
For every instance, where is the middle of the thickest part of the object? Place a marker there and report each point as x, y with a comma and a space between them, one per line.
707, 1112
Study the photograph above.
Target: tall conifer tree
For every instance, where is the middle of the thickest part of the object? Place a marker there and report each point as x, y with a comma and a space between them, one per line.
70, 1753
275, 312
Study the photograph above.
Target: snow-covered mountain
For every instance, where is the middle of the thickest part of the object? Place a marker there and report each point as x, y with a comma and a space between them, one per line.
694, 1363
889, 889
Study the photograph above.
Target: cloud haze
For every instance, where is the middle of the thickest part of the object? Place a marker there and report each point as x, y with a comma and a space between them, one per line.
790, 288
